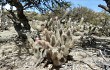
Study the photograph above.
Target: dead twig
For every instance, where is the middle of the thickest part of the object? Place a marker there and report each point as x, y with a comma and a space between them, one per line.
92, 59
102, 55
79, 61
104, 7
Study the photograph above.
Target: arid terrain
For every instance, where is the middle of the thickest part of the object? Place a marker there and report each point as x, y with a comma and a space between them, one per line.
73, 46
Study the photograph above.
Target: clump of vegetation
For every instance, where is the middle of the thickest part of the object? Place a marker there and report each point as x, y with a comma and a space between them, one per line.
76, 14
88, 14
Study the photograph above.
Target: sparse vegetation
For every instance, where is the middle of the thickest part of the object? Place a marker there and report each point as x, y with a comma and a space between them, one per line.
60, 40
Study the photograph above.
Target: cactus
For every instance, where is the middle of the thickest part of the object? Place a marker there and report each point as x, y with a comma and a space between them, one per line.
56, 41
53, 40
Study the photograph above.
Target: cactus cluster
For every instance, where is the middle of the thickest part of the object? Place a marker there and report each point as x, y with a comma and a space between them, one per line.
58, 36
56, 39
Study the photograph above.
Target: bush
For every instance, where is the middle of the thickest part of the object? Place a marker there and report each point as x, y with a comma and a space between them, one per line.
88, 14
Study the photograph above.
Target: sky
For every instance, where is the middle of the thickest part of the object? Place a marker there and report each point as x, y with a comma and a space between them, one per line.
92, 4
7, 6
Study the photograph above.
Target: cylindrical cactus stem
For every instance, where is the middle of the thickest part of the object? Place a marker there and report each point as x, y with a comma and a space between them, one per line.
60, 31
47, 34
58, 43
53, 40
63, 38
68, 32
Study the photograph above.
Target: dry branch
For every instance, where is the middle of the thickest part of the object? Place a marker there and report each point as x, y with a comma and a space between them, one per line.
104, 7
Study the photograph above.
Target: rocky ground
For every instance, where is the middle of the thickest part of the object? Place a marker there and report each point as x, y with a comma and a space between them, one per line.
86, 52
89, 59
